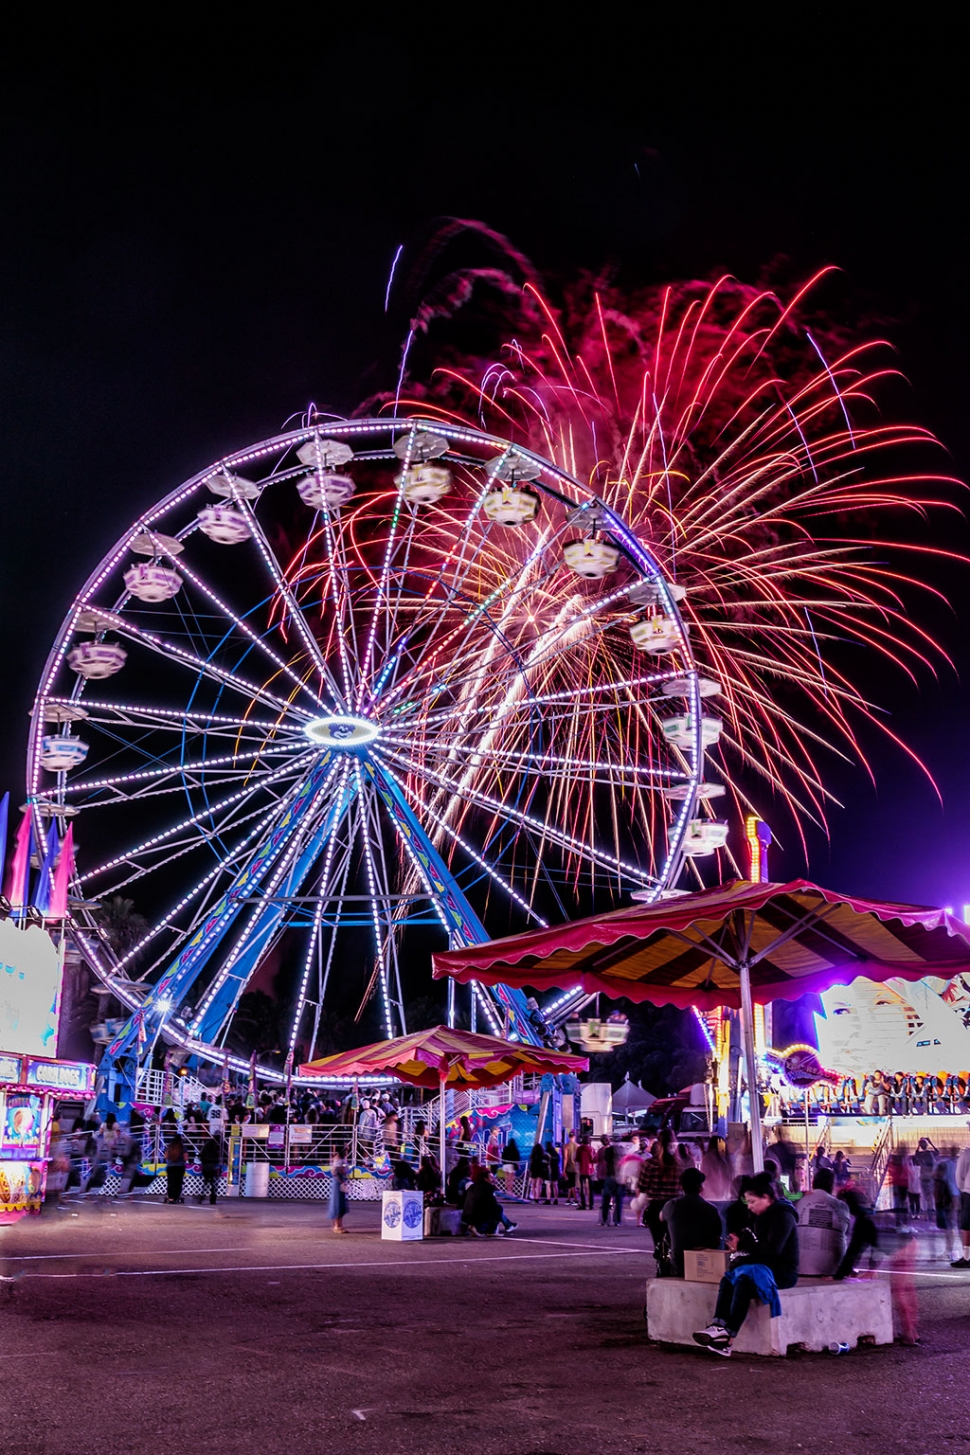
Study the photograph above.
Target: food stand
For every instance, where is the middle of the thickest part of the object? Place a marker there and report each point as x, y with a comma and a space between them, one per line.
31, 1080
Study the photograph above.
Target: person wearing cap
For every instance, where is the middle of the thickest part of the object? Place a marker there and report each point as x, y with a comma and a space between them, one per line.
691, 1221
766, 1260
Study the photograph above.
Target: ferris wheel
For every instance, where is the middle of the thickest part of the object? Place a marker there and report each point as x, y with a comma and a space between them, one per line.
362, 678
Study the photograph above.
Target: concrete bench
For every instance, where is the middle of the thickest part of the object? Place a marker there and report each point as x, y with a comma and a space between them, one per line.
813, 1315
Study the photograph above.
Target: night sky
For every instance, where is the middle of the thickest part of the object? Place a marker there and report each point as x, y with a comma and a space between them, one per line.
198, 230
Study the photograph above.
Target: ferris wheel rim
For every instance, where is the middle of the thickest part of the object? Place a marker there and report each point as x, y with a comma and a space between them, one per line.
550, 479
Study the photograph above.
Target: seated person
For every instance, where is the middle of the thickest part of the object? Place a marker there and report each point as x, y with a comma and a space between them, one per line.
691, 1221
766, 1261
457, 1184
429, 1175
823, 1228
482, 1212
403, 1179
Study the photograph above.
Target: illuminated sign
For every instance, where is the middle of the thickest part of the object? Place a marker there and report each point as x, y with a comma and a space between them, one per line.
21, 1126
61, 1075
800, 1066
10, 1067
30, 980
21, 1187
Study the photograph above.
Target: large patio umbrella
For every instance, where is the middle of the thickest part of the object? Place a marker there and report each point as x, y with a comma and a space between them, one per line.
444, 1057
729, 946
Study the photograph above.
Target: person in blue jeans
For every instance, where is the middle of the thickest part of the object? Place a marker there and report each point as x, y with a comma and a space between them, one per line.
766, 1261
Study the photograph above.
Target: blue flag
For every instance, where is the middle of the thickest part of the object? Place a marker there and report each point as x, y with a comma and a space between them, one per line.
42, 899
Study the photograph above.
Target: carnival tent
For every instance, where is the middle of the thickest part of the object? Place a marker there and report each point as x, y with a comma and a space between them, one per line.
729, 946
443, 1058
632, 1097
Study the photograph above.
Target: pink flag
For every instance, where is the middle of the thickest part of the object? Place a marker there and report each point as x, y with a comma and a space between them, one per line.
20, 864
62, 877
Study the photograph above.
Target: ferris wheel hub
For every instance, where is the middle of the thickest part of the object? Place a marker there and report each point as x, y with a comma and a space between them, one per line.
343, 732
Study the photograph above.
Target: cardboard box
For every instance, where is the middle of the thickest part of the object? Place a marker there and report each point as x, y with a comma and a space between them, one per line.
402, 1216
705, 1265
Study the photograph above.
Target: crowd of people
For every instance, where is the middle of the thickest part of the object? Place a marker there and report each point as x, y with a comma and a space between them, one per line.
881, 1093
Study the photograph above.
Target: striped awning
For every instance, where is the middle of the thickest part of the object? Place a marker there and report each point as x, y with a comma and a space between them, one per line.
462, 1058
688, 950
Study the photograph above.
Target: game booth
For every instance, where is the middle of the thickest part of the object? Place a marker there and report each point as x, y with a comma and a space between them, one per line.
32, 1081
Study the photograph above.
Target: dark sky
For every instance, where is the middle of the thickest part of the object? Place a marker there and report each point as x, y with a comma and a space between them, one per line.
198, 230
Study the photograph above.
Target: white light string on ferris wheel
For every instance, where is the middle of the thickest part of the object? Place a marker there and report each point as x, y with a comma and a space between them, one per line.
391, 915
426, 810
178, 716
539, 763
225, 866
199, 664
200, 766
253, 636
382, 587
339, 603
372, 886
555, 835
290, 853
196, 818
318, 910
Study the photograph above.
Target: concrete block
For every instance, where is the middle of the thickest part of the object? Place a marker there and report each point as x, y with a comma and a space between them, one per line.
812, 1314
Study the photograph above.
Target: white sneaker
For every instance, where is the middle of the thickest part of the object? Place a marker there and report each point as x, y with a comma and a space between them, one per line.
712, 1335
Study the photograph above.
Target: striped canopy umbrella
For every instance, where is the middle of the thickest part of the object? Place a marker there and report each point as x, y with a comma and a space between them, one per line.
726, 946
443, 1057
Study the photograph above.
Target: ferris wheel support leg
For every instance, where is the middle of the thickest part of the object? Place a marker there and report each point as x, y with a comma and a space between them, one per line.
464, 926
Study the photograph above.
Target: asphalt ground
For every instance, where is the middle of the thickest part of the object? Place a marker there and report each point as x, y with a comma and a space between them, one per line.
251, 1327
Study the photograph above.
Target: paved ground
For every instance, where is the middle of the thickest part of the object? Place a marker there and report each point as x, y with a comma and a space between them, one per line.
250, 1327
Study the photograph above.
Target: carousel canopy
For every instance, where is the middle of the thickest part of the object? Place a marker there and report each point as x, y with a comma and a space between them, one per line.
459, 1059
690, 951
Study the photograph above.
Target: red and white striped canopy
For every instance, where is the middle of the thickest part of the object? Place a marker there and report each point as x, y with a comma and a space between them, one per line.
688, 950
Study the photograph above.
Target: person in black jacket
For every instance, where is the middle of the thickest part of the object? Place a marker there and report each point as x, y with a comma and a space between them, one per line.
769, 1249
690, 1220
482, 1212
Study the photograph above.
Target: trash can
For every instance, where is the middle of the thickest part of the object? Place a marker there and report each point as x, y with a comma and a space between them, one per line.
257, 1179
402, 1216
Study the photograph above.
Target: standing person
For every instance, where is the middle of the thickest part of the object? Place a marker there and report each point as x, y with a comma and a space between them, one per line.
554, 1170
914, 1186
174, 1170
612, 1196
925, 1160
717, 1172
537, 1171
586, 1163
767, 1263
660, 1180
337, 1206
570, 1169
961, 1176
511, 1158
107, 1141
210, 1162
842, 1168
897, 1178
946, 1201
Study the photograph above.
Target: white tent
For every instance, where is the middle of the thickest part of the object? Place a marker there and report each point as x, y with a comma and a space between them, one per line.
632, 1097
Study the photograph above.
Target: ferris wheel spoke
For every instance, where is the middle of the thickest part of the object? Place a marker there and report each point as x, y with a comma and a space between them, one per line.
173, 653
292, 606
541, 764
222, 995
254, 637
313, 944
196, 768
456, 838
192, 822
175, 720
373, 885
502, 809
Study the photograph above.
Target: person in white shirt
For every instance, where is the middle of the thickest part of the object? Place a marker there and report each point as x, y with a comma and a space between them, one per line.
823, 1228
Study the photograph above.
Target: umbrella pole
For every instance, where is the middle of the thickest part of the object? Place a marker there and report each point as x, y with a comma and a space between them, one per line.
353, 1135
751, 1068
441, 1131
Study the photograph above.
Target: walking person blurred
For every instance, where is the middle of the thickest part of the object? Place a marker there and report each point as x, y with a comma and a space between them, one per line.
210, 1161
586, 1163
606, 1172
570, 1169
510, 1165
924, 1159
961, 1176
538, 1171
553, 1173
174, 1170
946, 1201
